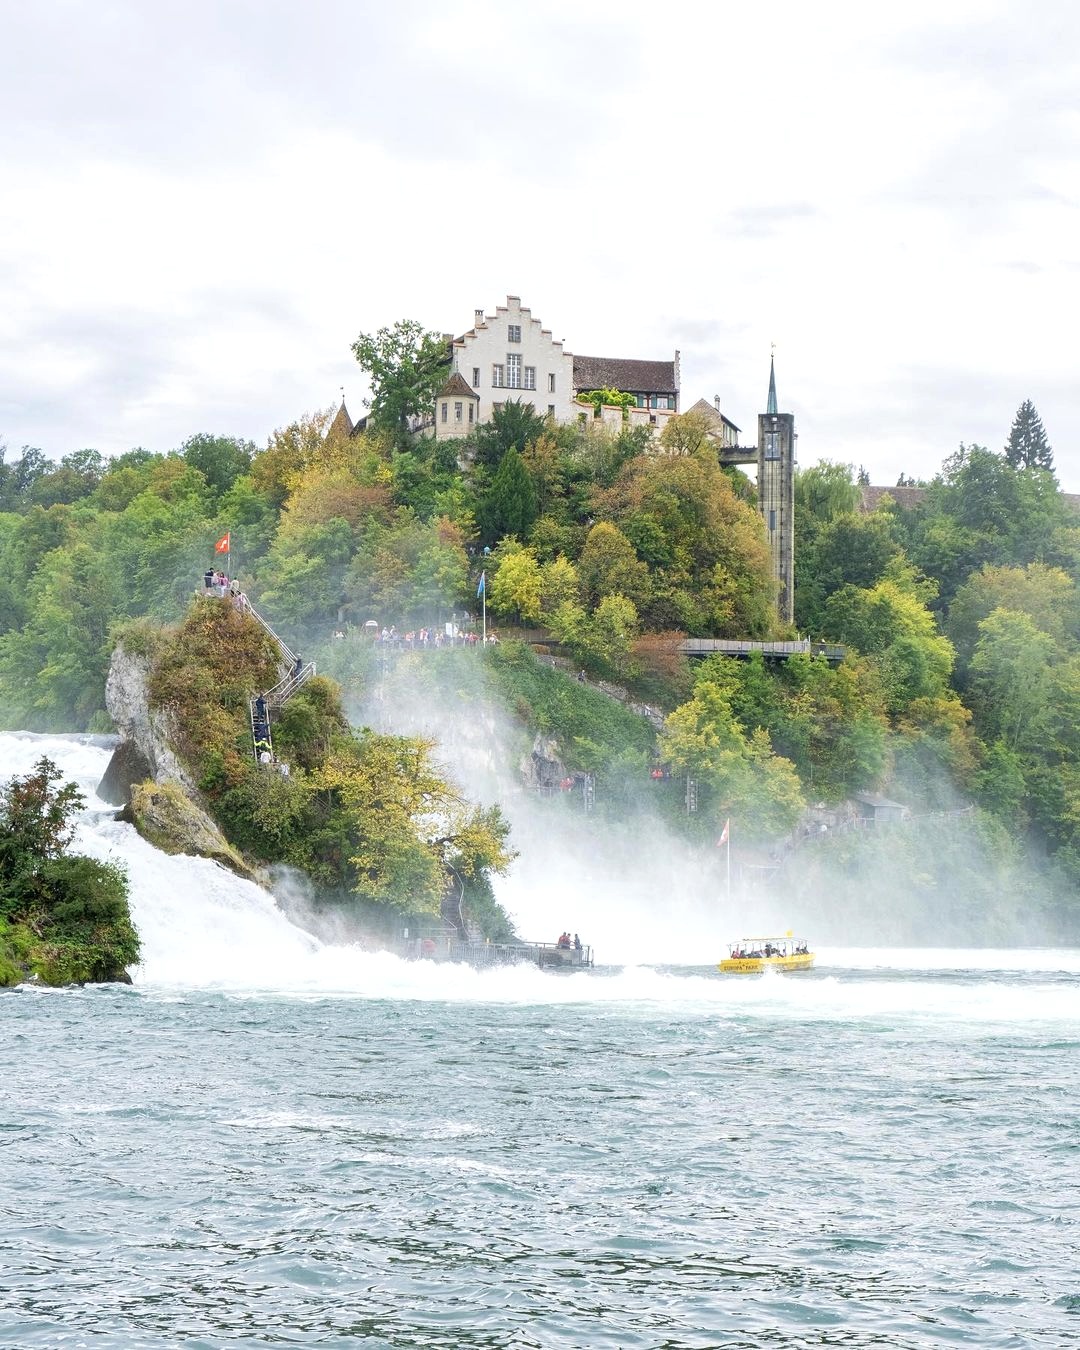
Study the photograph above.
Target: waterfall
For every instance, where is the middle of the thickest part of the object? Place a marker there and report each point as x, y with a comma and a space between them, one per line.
203, 927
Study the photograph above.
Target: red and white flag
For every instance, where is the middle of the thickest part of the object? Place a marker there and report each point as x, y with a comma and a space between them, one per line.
723, 838
222, 545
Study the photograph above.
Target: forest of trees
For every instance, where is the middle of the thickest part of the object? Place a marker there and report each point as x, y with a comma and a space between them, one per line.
960, 615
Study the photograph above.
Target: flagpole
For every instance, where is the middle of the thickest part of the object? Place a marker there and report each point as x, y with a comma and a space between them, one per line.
484, 611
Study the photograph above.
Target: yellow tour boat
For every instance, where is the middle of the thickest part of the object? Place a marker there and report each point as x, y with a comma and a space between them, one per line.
752, 956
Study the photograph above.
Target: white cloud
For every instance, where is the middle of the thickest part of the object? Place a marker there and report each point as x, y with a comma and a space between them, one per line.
206, 202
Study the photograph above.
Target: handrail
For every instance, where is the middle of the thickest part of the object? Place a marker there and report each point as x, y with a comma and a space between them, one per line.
286, 687
285, 649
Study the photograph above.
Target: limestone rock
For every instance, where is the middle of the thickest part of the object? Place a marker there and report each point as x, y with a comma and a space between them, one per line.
543, 768
128, 702
167, 818
127, 767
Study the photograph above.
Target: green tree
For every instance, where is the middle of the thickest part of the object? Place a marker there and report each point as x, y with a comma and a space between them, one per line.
895, 629
516, 586
823, 492
558, 584
63, 917
1027, 446
509, 506
1011, 679
220, 459
742, 775
512, 427
76, 477
609, 565
17, 479
406, 364
543, 460
718, 581
687, 434
1047, 595
980, 509
848, 549
607, 398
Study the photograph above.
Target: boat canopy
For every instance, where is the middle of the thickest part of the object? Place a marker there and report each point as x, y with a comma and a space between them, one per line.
757, 945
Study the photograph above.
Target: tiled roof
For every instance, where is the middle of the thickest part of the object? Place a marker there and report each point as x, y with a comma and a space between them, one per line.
628, 376
715, 419
456, 387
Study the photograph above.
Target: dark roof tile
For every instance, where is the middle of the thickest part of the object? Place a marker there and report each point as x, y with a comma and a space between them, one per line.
628, 376
456, 387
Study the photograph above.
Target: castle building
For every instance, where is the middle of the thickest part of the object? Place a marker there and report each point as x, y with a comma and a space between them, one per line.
511, 355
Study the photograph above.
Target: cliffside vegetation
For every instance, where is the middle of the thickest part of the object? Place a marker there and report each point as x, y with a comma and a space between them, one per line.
959, 614
64, 918
369, 818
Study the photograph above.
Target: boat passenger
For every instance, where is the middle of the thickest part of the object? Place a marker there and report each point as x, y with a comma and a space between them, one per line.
577, 943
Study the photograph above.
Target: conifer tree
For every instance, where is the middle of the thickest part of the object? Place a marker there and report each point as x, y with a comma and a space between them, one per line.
1027, 447
510, 504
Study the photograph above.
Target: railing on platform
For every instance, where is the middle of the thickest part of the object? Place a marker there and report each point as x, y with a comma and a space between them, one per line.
546, 955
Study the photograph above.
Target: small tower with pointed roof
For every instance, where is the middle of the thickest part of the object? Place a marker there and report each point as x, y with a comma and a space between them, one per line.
342, 425
457, 407
776, 493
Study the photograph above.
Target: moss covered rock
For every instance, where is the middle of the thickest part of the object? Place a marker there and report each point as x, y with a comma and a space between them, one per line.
167, 818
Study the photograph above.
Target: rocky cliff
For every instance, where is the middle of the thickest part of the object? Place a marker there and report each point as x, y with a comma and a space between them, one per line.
144, 734
147, 778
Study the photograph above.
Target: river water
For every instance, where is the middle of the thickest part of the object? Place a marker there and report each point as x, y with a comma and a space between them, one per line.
272, 1140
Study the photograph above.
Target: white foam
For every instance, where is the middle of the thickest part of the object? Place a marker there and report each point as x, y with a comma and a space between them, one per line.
204, 928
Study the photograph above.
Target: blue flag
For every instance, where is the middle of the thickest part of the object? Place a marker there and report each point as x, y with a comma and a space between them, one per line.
482, 588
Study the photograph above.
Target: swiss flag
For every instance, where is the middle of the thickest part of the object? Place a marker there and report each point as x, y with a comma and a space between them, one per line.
222, 545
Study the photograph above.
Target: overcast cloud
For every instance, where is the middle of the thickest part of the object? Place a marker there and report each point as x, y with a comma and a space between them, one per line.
204, 203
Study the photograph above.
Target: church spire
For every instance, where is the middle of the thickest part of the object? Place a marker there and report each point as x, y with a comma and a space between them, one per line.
772, 385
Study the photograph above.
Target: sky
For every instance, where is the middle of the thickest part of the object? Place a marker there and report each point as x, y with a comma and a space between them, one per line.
204, 202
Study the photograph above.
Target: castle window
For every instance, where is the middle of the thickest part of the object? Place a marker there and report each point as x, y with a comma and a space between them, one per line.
772, 445
551, 384
551, 409
772, 518
513, 370
444, 412
459, 411
513, 332
471, 411
476, 377
498, 377
530, 377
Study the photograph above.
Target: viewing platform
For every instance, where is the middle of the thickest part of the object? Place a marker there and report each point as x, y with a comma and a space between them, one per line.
771, 651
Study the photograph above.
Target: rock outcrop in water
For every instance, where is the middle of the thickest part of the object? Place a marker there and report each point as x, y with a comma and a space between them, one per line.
146, 776
145, 733
167, 818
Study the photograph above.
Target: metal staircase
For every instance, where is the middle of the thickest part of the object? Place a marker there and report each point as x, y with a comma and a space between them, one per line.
293, 674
